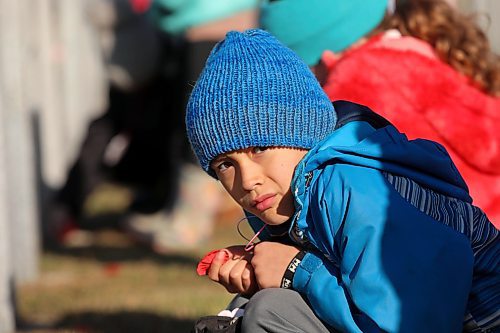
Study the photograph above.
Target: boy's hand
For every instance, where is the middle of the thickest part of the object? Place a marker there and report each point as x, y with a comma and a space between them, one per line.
270, 260
236, 275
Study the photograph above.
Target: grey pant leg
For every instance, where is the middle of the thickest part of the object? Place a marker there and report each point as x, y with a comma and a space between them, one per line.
238, 302
278, 310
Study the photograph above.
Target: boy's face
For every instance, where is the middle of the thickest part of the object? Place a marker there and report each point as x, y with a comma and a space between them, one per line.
259, 178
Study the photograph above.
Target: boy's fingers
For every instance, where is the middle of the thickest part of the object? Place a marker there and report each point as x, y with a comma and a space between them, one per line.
248, 279
215, 266
231, 269
225, 273
235, 276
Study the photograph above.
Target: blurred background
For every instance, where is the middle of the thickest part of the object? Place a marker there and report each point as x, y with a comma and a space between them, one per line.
103, 214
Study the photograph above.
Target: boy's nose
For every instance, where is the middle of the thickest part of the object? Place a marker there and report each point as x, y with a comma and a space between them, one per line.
251, 176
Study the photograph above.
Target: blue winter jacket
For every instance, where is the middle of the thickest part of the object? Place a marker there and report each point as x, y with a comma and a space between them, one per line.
383, 254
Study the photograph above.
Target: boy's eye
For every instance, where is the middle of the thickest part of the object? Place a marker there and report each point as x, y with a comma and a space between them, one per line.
223, 166
257, 150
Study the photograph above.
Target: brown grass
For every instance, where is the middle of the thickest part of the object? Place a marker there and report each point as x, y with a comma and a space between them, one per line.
114, 285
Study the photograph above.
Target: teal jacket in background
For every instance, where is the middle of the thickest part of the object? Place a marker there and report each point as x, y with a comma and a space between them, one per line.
175, 16
379, 259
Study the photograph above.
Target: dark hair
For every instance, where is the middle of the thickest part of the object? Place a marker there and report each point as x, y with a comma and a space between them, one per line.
456, 38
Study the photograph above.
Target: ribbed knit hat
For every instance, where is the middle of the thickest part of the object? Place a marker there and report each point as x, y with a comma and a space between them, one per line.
310, 27
254, 91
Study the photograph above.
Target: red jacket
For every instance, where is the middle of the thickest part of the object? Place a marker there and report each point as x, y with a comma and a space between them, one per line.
402, 79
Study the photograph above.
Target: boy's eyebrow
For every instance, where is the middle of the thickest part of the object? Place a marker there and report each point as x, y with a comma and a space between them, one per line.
217, 159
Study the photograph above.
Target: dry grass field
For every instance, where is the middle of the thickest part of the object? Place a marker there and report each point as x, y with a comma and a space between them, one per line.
113, 285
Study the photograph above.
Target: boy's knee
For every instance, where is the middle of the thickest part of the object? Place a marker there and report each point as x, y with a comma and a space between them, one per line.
264, 300
267, 308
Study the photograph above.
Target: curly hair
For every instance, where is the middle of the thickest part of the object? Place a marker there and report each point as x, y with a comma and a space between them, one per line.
456, 38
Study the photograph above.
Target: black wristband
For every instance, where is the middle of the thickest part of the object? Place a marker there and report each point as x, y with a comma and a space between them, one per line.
286, 281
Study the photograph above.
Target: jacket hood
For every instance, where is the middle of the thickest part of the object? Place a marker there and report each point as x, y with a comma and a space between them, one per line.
426, 162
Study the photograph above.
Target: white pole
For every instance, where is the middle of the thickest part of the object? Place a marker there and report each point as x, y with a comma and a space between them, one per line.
17, 131
6, 307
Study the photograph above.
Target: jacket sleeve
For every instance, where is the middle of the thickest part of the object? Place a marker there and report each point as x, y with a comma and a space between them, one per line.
382, 265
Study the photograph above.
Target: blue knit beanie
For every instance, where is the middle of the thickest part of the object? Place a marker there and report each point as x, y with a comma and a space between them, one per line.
254, 91
310, 27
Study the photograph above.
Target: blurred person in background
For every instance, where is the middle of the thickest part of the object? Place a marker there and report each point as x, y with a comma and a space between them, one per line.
425, 66
123, 156
130, 169
197, 25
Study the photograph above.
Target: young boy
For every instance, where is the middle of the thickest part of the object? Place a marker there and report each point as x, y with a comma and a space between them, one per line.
365, 230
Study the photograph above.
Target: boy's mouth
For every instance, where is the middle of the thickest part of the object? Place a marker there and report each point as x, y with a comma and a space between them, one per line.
263, 202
